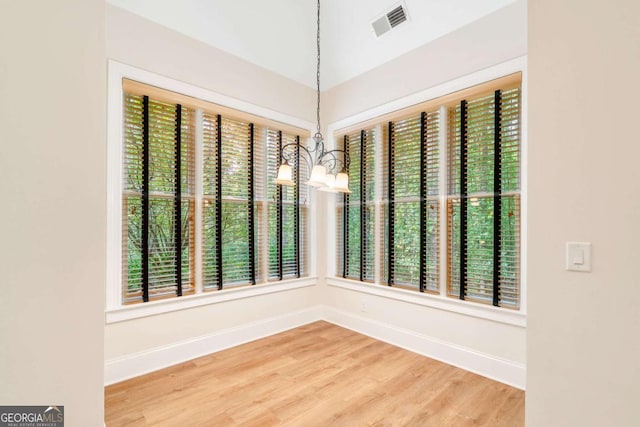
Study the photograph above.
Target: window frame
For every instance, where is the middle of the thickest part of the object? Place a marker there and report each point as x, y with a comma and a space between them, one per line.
460, 186
115, 309
393, 198
362, 205
380, 114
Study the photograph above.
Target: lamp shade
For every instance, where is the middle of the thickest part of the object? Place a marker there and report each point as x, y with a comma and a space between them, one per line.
342, 183
318, 176
285, 175
331, 184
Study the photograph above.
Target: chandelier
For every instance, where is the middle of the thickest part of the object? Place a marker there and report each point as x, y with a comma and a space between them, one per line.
328, 167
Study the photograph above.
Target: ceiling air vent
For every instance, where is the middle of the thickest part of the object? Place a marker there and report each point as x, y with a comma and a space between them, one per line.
390, 20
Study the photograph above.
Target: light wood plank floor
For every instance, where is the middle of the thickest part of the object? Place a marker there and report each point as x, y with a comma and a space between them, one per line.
315, 375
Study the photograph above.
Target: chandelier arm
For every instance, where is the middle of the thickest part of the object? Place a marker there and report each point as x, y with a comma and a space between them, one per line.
328, 160
291, 154
338, 157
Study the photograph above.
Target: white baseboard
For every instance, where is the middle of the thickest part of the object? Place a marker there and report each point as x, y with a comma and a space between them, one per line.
504, 371
133, 365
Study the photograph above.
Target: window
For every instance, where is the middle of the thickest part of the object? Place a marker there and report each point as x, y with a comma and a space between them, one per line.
356, 210
411, 201
158, 199
201, 211
484, 173
461, 154
229, 220
286, 218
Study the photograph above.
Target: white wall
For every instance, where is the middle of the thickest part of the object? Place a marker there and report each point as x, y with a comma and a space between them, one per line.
151, 332
151, 342
52, 220
583, 342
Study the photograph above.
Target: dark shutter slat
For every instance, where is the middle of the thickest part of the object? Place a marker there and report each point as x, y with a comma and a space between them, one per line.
296, 207
279, 213
250, 208
463, 198
218, 177
145, 199
345, 218
423, 201
392, 209
497, 200
363, 203
178, 200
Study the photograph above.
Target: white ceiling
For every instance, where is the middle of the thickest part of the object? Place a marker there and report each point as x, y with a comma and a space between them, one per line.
280, 34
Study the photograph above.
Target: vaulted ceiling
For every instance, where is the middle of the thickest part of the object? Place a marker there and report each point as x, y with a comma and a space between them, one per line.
279, 35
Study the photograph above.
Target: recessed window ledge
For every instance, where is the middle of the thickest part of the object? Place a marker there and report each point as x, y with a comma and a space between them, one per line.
135, 311
468, 308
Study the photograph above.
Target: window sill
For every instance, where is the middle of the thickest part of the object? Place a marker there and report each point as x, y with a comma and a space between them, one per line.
501, 315
135, 311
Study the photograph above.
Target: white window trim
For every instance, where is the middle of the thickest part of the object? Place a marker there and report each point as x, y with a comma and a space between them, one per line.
442, 301
115, 310
151, 308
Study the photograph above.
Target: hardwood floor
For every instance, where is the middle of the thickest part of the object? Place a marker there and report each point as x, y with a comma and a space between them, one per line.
315, 375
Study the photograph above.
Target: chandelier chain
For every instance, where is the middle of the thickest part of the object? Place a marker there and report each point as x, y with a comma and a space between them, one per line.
318, 71
328, 168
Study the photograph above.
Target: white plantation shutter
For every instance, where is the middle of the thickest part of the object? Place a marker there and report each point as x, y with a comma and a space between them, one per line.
234, 222
158, 199
356, 211
132, 199
289, 246
484, 179
302, 174
406, 237
510, 210
410, 201
341, 243
211, 233
431, 215
261, 232
287, 211
274, 143
291, 217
